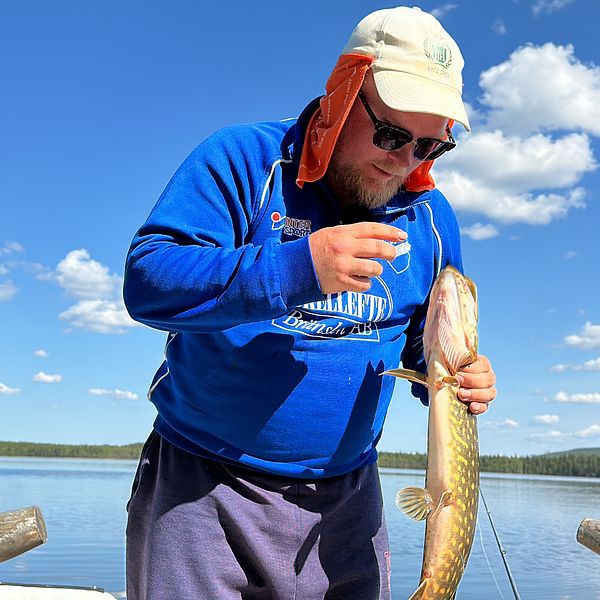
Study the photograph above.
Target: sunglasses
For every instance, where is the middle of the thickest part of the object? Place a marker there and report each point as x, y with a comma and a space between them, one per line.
391, 137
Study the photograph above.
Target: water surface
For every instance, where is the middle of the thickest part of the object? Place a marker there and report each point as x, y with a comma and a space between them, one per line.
83, 502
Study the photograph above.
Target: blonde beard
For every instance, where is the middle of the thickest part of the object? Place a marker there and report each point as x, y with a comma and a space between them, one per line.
354, 189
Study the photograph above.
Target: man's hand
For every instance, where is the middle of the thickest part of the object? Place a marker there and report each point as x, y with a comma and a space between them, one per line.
342, 254
477, 383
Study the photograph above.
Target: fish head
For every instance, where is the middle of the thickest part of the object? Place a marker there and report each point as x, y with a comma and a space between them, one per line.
450, 334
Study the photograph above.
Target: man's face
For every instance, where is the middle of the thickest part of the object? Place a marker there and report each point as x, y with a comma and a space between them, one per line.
361, 173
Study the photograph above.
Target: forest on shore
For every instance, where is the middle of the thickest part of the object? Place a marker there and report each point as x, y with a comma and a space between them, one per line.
131, 451
584, 462
581, 462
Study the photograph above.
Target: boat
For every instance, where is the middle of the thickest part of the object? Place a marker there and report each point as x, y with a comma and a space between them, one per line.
21, 591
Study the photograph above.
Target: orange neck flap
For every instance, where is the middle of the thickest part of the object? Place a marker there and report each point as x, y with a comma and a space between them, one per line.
326, 124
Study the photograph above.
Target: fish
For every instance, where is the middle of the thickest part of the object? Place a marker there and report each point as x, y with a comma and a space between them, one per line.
449, 501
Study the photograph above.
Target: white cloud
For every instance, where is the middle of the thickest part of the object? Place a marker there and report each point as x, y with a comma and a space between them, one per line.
498, 27
539, 131
476, 118
549, 434
84, 277
504, 205
441, 11
533, 162
40, 271
42, 377
100, 316
101, 309
41, 353
591, 431
115, 393
589, 365
523, 95
588, 339
11, 248
506, 423
479, 231
549, 6
571, 254
4, 389
35, 268
591, 398
546, 419
7, 290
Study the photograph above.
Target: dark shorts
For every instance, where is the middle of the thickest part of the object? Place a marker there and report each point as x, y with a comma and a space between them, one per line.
205, 530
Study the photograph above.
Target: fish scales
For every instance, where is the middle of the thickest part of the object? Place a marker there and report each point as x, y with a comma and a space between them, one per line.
450, 499
455, 467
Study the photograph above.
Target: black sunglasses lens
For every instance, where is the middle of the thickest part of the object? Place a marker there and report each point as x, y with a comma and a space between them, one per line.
389, 139
431, 149
426, 148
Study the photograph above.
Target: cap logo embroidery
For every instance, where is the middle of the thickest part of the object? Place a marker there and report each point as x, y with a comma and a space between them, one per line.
438, 51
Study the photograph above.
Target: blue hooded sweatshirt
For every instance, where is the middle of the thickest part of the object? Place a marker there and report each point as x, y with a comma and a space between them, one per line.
262, 369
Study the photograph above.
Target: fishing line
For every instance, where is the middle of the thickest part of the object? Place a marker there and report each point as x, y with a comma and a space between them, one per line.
513, 584
487, 560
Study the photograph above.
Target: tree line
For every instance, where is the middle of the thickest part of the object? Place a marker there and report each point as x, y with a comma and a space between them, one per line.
574, 463
131, 451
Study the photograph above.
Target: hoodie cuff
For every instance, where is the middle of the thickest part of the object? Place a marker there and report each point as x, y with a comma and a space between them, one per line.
298, 279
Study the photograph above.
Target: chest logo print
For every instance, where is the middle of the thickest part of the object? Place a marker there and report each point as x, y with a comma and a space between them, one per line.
402, 260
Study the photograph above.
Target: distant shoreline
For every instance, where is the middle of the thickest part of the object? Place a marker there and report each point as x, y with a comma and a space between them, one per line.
581, 462
41, 450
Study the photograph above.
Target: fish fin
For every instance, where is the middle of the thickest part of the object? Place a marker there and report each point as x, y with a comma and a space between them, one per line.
446, 499
408, 374
415, 502
448, 381
418, 593
452, 344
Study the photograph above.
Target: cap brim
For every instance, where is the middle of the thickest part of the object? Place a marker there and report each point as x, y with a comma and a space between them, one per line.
411, 93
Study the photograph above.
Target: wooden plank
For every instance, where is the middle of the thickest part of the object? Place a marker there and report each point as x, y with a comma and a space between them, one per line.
588, 534
21, 530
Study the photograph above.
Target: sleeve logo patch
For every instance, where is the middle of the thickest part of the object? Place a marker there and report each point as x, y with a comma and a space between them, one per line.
290, 226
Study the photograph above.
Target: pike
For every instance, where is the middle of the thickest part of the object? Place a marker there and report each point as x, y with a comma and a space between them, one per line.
449, 500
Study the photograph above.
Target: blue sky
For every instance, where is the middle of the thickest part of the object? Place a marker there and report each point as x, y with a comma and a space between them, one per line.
102, 101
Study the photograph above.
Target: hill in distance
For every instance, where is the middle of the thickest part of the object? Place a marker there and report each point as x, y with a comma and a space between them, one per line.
580, 451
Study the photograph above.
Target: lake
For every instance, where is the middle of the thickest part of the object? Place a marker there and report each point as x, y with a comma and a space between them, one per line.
83, 502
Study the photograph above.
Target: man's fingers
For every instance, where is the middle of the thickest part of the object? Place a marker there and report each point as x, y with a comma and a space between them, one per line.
341, 254
365, 268
377, 231
480, 365
477, 380
370, 248
477, 395
477, 408
359, 284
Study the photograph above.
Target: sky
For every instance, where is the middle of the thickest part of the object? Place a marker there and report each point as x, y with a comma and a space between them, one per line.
101, 101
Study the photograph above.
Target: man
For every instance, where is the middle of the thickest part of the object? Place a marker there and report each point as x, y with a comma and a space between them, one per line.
290, 263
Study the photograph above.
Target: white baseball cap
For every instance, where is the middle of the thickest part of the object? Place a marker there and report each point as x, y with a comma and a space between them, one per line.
417, 66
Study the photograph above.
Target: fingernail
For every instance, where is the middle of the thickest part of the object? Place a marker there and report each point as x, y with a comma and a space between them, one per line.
460, 379
464, 394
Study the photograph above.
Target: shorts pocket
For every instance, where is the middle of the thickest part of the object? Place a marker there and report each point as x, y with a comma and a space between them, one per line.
144, 461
